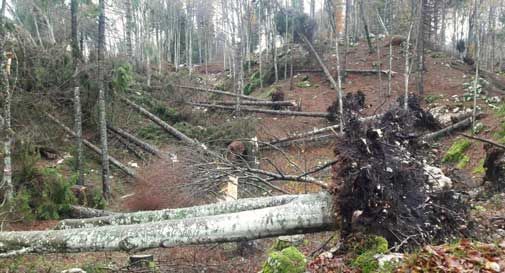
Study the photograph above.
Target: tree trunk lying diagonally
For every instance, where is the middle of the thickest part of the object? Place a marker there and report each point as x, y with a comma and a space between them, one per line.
220, 92
171, 130
265, 111
307, 213
95, 149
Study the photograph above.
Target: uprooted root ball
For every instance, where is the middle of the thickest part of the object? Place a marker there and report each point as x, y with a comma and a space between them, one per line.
384, 188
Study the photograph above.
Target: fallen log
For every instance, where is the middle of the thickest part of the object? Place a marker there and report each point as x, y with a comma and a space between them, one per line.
252, 103
220, 92
138, 142
307, 213
485, 141
80, 212
349, 71
142, 217
287, 141
94, 148
169, 129
265, 111
447, 130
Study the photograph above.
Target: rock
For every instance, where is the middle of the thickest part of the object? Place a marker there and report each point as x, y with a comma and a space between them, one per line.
391, 258
436, 179
73, 270
286, 241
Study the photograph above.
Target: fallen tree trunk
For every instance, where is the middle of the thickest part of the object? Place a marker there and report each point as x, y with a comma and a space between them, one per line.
485, 141
265, 111
349, 71
169, 129
447, 130
321, 63
85, 212
308, 136
92, 147
140, 143
220, 92
142, 217
308, 213
252, 103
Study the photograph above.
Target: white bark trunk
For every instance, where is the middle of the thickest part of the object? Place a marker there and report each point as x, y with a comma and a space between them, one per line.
175, 214
308, 213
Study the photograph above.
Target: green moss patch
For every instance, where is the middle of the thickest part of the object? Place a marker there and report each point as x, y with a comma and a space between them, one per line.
288, 260
366, 261
456, 153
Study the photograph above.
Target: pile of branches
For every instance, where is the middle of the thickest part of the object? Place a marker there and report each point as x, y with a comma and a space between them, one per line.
384, 188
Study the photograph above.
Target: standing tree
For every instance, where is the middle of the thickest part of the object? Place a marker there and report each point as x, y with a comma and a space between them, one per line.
76, 54
6, 92
106, 188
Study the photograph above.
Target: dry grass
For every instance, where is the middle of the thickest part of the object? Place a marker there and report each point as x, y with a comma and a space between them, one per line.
160, 187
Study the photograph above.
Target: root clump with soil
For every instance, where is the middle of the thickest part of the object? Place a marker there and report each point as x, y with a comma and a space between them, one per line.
384, 188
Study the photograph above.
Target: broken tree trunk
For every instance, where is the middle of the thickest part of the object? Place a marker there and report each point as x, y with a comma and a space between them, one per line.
264, 111
220, 92
143, 217
140, 143
307, 213
169, 129
253, 103
91, 146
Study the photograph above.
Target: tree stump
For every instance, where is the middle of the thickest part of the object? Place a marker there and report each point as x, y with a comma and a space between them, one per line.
145, 261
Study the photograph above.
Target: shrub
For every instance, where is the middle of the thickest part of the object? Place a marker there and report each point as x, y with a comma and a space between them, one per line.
44, 195
288, 260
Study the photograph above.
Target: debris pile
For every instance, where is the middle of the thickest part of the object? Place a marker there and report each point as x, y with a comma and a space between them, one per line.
385, 189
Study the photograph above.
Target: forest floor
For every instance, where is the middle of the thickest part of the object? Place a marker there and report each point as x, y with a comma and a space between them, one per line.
442, 84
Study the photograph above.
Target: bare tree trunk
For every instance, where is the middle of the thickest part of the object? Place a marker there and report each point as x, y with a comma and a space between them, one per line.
365, 26
106, 188
6, 92
339, 86
129, 27
78, 136
476, 80
420, 46
309, 213
407, 69
74, 10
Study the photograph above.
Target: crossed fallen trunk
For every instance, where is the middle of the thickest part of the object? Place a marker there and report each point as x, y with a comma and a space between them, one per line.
245, 219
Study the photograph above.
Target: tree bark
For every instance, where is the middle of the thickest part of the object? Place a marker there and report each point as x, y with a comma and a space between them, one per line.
308, 213
85, 212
